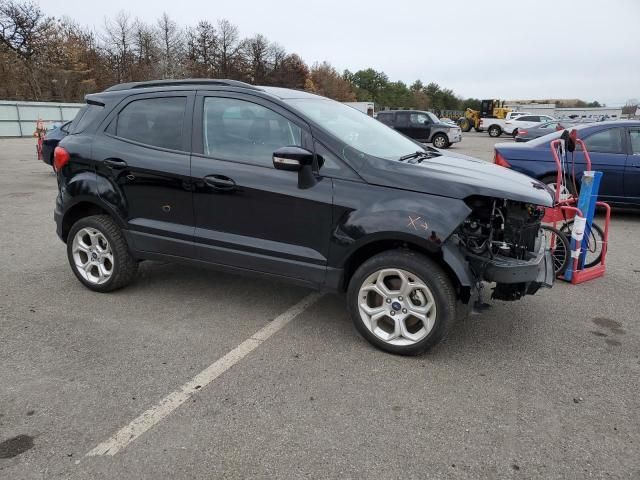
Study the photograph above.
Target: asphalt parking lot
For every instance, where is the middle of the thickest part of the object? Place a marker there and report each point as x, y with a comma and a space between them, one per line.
542, 388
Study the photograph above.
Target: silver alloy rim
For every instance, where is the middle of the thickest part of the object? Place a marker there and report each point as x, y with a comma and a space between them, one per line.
396, 306
564, 191
92, 256
439, 142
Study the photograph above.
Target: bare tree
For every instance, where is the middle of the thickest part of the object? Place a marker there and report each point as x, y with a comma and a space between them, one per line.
24, 30
146, 52
118, 39
202, 43
228, 58
257, 54
171, 43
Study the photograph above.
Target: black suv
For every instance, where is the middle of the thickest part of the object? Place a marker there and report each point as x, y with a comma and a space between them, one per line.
422, 126
293, 186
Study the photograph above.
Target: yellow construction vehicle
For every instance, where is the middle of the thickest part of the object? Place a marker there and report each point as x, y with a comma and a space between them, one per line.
488, 109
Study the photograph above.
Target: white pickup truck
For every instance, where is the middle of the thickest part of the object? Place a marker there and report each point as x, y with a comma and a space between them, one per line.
495, 126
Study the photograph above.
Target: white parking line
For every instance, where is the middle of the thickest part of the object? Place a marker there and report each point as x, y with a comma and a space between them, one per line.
168, 404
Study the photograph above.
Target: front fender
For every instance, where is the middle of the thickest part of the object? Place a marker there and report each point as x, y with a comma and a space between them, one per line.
365, 213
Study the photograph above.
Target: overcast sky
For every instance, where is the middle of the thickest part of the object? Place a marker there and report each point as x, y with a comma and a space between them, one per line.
587, 49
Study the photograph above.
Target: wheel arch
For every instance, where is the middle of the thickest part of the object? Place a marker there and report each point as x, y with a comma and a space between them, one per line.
84, 208
451, 264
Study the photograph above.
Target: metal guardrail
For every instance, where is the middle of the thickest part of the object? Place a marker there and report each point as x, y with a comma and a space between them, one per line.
18, 119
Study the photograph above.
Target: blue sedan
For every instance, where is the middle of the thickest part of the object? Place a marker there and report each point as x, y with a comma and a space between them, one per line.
614, 148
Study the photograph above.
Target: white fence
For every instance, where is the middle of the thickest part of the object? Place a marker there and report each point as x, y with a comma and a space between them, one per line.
18, 119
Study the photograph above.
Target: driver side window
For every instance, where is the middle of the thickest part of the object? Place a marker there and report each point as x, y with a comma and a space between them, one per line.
605, 141
419, 119
243, 131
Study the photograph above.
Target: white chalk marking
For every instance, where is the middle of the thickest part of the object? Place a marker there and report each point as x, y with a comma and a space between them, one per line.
168, 404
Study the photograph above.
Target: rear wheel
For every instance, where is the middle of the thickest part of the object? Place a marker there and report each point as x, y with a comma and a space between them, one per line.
99, 255
465, 124
514, 134
440, 140
495, 131
401, 302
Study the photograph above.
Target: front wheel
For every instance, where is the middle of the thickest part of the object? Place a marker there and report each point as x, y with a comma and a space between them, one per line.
98, 254
495, 131
440, 141
401, 302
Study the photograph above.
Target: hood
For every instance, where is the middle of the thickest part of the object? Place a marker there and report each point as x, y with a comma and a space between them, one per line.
458, 176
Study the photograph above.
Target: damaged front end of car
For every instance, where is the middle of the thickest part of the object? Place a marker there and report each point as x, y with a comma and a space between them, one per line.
503, 244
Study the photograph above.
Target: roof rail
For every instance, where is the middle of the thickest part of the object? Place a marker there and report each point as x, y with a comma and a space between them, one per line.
179, 83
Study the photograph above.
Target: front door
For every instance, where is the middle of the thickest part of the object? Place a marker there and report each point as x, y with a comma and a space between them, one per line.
608, 155
420, 125
249, 215
144, 153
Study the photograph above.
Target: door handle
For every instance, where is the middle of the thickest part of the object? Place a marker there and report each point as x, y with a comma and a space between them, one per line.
220, 183
115, 163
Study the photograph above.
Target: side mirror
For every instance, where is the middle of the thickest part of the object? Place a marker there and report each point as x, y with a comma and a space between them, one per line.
292, 159
296, 159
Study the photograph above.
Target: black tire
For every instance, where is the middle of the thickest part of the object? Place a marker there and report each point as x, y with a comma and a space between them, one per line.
495, 131
514, 134
442, 139
465, 124
594, 244
424, 269
124, 266
560, 249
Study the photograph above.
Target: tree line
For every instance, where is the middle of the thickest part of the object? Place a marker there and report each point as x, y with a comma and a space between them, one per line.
56, 59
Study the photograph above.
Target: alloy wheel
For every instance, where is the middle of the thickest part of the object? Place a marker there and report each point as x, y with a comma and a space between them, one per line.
92, 256
396, 306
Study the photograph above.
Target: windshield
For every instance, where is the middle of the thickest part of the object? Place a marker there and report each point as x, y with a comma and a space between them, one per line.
357, 130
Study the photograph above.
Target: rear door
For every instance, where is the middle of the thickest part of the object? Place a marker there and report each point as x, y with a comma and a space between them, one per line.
402, 123
143, 151
632, 168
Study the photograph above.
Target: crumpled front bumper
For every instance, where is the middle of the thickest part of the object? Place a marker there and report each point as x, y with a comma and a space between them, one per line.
530, 274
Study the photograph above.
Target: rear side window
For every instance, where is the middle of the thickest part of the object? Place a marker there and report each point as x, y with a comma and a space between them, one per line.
402, 119
85, 117
386, 118
158, 122
605, 141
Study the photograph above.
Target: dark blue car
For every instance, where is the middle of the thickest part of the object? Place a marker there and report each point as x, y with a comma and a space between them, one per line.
614, 148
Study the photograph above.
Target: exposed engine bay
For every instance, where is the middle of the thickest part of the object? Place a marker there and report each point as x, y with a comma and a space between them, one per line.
505, 234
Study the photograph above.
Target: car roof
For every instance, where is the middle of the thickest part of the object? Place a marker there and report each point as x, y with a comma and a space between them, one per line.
203, 84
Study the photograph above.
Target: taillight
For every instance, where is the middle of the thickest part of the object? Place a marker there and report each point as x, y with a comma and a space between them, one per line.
498, 159
522, 132
60, 158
